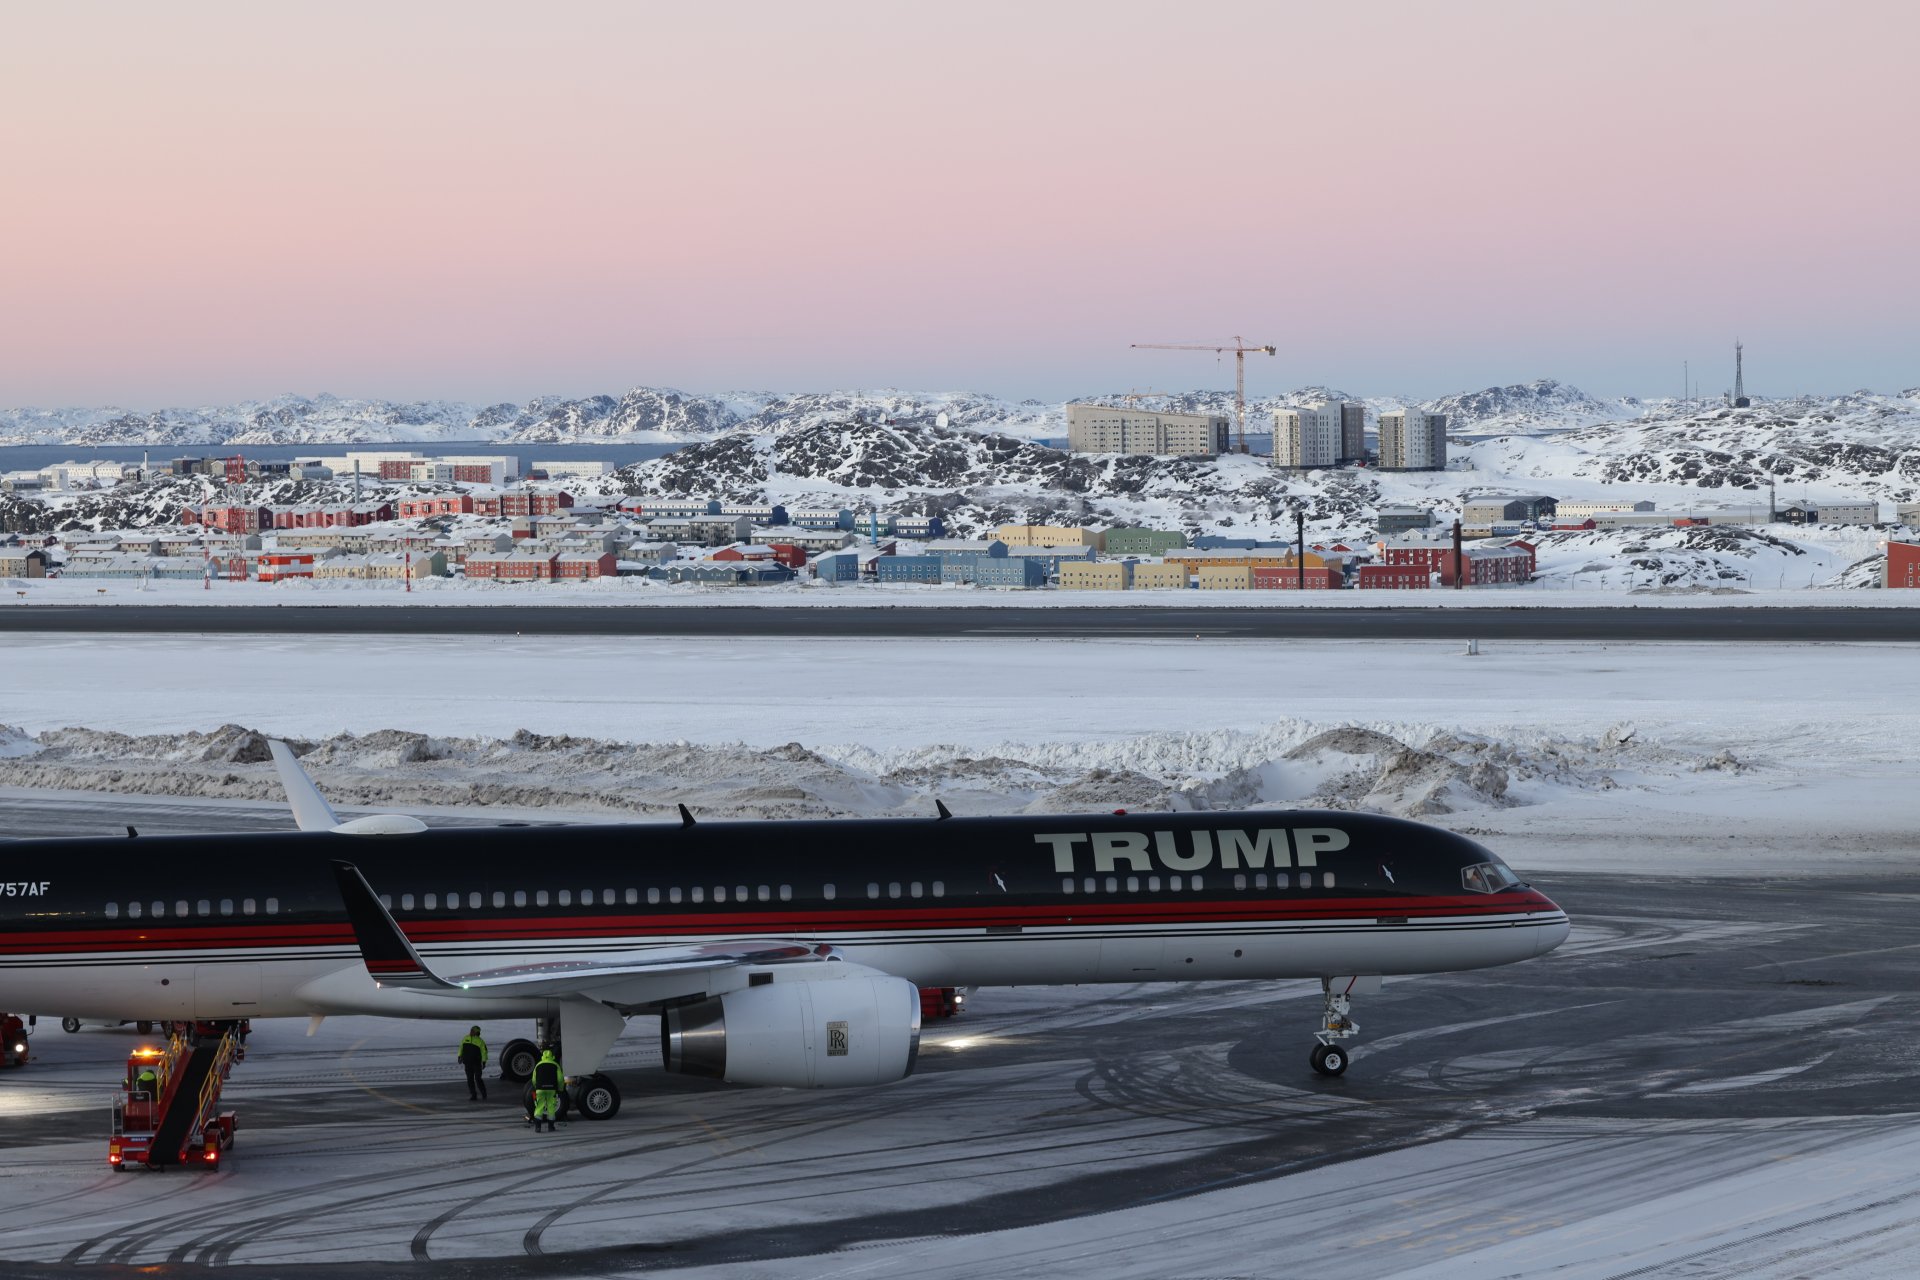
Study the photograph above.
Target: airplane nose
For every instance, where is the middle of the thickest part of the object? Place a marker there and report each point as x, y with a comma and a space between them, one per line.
1552, 935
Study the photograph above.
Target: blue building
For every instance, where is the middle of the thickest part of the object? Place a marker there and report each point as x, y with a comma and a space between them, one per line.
1010, 571
907, 569
837, 566
723, 573
1050, 557
917, 527
821, 517
758, 512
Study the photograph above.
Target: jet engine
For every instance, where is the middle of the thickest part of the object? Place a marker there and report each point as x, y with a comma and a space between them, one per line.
817, 1034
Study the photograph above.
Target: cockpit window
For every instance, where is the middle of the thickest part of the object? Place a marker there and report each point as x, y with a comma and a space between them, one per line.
1487, 877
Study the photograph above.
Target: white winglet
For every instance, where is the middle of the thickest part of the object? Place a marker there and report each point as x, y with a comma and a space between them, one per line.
311, 812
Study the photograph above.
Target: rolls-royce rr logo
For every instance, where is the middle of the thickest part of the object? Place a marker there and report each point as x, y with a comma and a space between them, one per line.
836, 1039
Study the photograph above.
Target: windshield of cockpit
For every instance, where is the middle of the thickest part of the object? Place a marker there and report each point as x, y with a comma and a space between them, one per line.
1488, 877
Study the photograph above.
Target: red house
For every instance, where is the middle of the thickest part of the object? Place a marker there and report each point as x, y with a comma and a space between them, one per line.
1281, 578
1394, 577
583, 565
1903, 564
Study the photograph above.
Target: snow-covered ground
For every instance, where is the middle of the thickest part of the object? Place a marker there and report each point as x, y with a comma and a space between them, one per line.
1739, 756
1564, 585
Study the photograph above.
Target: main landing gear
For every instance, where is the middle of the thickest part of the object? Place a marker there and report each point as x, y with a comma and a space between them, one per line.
1336, 1024
593, 1096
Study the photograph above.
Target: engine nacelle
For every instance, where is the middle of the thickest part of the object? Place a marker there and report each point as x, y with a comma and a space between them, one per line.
819, 1034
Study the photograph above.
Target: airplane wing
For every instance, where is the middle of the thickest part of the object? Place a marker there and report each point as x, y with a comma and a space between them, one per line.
392, 961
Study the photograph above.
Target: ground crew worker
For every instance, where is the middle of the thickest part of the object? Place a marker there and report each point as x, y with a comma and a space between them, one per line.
547, 1080
148, 1082
473, 1056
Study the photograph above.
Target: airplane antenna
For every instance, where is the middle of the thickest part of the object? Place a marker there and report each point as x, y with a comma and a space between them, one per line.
131, 833
941, 805
686, 816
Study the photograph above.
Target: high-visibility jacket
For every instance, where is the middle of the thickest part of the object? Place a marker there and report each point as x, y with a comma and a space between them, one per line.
149, 1083
546, 1075
476, 1044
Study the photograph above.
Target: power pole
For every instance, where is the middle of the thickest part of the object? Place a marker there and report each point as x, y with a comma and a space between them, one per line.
1300, 531
1459, 559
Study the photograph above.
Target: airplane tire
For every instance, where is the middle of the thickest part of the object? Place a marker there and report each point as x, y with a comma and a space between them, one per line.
517, 1059
597, 1097
565, 1110
69, 1025
1329, 1060
144, 1028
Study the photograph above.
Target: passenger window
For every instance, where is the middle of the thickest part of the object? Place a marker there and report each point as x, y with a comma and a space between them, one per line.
720, 893
1153, 884
500, 899
1306, 879
606, 897
739, 893
699, 893
386, 901
406, 902
565, 898
586, 898
180, 908
763, 893
1196, 884
1089, 884
159, 911
133, 911
519, 897
1326, 879
431, 902
273, 906
673, 894
827, 892
914, 889
1173, 882
893, 888
653, 897
1113, 884
203, 908
786, 893
1066, 884
246, 907
1239, 882
939, 888
539, 897
113, 911
873, 890
633, 897
1260, 881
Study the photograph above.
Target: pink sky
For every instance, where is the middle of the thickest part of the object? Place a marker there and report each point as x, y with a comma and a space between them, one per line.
204, 202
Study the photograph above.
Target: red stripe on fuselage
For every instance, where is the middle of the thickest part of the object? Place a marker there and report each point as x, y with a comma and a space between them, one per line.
1068, 912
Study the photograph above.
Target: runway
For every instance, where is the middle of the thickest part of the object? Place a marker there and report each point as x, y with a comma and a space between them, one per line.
1612, 622
1710, 1076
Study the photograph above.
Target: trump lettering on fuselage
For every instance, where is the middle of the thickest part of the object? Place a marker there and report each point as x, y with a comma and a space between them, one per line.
1230, 849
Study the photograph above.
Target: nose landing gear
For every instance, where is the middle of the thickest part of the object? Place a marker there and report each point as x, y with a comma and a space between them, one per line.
1336, 1024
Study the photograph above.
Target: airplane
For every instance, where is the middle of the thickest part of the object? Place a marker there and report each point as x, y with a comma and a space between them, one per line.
779, 953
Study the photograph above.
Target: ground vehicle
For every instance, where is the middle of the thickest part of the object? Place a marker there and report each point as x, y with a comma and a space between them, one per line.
168, 1110
71, 1025
13, 1040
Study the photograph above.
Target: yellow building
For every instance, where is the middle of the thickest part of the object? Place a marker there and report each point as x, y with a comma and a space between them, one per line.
1224, 577
1150, 575
1048, 535
1087, 575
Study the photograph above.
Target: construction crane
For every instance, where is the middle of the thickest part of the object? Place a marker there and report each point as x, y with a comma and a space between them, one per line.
1239, 349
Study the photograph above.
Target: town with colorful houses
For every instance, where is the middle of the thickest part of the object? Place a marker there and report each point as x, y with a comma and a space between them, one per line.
481, 521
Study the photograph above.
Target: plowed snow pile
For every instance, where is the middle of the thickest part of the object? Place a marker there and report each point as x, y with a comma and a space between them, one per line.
1396, 769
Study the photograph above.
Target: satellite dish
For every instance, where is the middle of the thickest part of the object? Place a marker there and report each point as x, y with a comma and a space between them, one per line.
940, 419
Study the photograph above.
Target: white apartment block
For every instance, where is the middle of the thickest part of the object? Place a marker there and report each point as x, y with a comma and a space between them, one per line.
1307, 437
1099, 428
1412, 440
1574, 509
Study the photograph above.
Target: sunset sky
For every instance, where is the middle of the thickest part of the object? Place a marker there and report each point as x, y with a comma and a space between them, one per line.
207, 202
